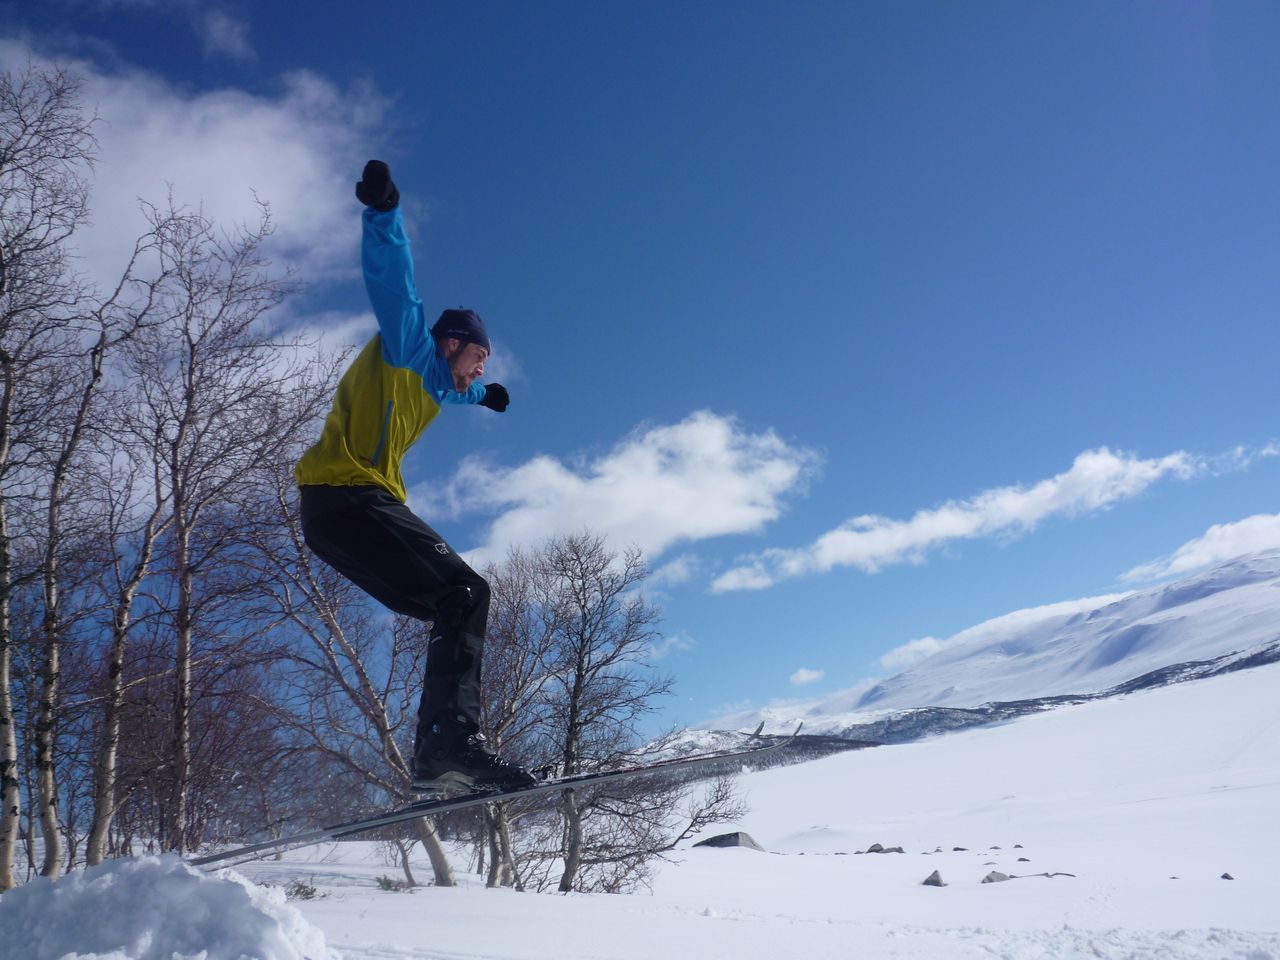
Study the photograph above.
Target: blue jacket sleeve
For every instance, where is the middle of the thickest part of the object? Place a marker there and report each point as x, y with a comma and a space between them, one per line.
388, 277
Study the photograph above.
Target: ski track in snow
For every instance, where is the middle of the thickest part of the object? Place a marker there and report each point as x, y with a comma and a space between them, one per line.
868, 942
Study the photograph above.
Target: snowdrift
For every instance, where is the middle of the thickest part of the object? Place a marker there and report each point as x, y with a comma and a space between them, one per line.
153, 908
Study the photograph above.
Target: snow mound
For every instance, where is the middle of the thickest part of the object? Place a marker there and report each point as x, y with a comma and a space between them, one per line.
153, 908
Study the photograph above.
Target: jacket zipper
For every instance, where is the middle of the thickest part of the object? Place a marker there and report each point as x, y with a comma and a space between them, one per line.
382, 437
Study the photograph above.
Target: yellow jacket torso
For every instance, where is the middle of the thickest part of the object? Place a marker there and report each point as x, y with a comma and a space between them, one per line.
396, 385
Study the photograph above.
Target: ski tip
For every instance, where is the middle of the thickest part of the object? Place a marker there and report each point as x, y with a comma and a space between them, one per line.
799, 727
758, 729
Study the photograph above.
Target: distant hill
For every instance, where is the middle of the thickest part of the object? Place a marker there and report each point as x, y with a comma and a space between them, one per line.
1227, 618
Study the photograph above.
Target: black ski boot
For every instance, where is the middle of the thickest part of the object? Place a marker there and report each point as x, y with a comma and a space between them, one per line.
454, 753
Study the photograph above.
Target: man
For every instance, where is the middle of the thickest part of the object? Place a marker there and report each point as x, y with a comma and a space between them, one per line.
353, 497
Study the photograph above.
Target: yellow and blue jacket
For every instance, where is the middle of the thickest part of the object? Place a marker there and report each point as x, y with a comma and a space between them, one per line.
396, 385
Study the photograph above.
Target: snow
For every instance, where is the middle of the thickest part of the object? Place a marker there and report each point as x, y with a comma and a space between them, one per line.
1125, 794
153, 908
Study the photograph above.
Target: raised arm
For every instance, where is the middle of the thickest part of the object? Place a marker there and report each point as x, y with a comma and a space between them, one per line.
388, 267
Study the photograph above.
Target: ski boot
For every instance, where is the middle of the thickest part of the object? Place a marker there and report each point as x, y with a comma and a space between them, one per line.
455, 754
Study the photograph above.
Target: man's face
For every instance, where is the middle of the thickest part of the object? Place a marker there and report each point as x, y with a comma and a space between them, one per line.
466, 362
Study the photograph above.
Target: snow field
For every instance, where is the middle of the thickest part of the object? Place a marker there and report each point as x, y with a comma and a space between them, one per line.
1123, 793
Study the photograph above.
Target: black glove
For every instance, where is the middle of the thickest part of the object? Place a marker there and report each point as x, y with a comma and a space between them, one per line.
375, 189
495, 397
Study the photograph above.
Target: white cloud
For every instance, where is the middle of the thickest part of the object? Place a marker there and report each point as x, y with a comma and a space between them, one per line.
1097, 479
679, 570
221, 33
753, 577
320, 337
1220, 542
224, 34
805, 676
672, 643
299, 150
335, 332
702, 477
911, 653
1242, 458
731, 715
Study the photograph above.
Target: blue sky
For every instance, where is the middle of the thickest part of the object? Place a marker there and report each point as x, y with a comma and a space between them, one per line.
1000, 279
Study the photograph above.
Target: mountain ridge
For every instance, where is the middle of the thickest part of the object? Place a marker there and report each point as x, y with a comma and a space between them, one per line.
1217, 621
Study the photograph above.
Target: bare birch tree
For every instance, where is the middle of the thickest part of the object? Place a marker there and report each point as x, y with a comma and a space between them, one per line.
108, 323
46, 144
596, 683
604, 684
212, 381
135, 512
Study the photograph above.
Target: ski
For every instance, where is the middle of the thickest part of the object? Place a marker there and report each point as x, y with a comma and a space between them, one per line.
422, 808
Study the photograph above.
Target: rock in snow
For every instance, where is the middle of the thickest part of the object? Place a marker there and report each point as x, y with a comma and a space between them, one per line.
736, 839
94, 913
881, 848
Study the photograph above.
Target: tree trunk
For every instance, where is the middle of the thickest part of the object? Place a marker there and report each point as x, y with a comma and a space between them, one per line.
431, 843
573, 841
497, 830
51, 674
490, 856
181, 758
508, 853
10, 797
51, 680
105, 762
569, 803
46, 784
104, 781
10, 785
404, 849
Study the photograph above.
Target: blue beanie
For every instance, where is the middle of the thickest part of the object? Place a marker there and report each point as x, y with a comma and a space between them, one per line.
464, 325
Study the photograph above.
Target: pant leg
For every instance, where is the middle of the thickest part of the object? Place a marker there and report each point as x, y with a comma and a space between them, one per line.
376, 542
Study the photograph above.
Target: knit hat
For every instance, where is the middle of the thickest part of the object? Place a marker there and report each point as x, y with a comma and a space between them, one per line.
464, 325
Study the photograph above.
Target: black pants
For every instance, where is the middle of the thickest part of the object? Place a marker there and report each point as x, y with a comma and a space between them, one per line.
377, 543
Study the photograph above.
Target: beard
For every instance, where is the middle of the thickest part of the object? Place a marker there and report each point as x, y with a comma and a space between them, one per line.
461, 378
465, 367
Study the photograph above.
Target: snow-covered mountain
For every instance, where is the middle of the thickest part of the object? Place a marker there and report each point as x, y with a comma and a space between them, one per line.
1223, 619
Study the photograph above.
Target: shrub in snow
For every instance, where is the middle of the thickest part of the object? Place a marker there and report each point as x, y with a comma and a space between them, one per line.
300, 889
